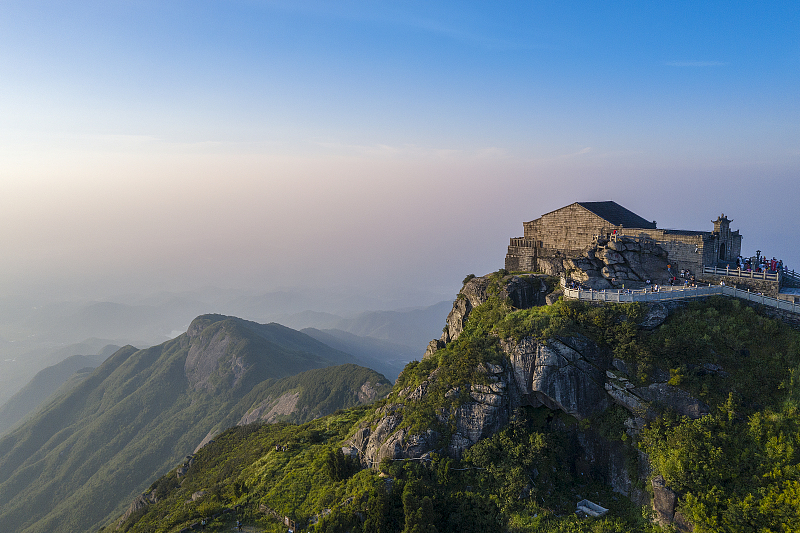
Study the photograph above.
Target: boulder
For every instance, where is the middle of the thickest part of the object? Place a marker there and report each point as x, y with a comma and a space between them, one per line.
657, 313
553, 297
664, 500
434, 346
597, 283
669, 396
138, 503
614, 462
617, 246
664, 504
610, 257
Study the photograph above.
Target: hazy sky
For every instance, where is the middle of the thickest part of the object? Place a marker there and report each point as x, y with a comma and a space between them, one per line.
167, 145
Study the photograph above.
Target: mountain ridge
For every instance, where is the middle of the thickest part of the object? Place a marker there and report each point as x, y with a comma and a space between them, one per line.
88, 451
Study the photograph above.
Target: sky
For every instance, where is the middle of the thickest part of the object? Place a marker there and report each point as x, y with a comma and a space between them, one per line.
392, 147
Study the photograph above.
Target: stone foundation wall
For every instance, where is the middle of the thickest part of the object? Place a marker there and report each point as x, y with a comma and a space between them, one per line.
792, 319
521, 256
768, 288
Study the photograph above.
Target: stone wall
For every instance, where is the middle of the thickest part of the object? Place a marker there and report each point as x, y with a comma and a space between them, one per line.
685, 250
570, 229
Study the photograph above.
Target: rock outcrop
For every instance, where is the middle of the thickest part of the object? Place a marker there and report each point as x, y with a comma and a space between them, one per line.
271, 409
138, 503
523, 291
564, 374
212, 362
570, 374
610, 263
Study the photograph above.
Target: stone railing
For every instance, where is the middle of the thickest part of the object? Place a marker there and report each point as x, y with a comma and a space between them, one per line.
678, 293
522, 242
739, 273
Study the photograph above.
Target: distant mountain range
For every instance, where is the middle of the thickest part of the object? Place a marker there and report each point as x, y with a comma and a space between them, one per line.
413, 328
34, 338
85, 454
386, 357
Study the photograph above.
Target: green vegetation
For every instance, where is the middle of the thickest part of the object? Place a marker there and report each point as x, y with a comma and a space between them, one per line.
514, 481
755, 351
736, 473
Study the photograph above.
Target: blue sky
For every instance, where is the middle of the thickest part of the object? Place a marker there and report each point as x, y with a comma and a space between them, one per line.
156, 145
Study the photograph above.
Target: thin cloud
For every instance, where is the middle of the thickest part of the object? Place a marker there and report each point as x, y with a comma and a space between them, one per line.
696, 63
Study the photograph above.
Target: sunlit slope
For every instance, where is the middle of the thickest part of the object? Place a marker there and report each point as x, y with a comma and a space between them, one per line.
87, 454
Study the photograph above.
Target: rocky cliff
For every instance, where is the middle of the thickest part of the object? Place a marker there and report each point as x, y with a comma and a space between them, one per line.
570, 374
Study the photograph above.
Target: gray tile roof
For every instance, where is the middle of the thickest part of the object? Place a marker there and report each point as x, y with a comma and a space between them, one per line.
617, 215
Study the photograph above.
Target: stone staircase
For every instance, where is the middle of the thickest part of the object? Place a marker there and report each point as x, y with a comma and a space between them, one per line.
790, 278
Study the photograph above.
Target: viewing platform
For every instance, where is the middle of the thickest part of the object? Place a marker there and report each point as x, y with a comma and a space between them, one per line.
739, 273
677, 293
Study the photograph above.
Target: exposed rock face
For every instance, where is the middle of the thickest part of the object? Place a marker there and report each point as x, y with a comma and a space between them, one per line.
203, 358
610, 461
382, 441
525, 291
645, 402
567, 374
664, 503
270, 409
673, 398
211, 353
367, 392
571, 374
138, 503
656, 315
471, 295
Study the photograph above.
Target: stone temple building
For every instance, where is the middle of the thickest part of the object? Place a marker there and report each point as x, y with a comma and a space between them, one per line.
572, 231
